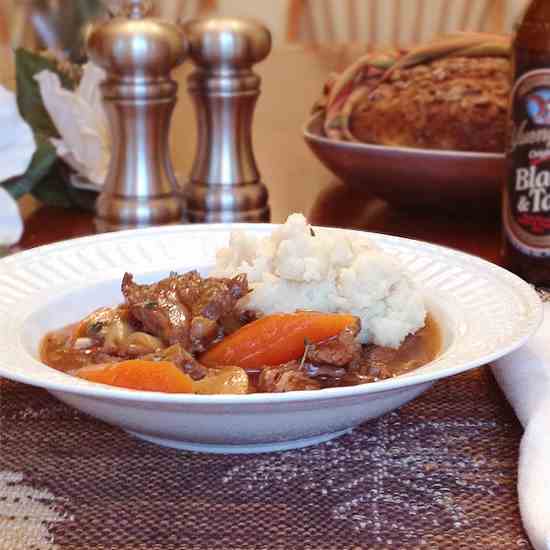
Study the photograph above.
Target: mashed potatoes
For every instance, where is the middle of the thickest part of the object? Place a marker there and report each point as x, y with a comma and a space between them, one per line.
329, 271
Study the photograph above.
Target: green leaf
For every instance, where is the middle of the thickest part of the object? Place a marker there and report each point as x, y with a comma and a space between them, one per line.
29, 99
47, 180
52, 189
42, 162
85, 200
55, 190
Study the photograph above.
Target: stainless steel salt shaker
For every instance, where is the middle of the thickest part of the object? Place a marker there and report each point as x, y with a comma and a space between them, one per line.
138, 54
225, 185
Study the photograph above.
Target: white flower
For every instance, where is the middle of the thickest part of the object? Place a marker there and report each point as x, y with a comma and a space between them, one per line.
17, 144
81, 121
11, 224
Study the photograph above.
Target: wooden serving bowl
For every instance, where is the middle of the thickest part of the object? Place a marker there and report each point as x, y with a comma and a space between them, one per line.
412, 177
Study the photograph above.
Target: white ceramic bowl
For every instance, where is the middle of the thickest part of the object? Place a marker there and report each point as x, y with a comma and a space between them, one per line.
484, 311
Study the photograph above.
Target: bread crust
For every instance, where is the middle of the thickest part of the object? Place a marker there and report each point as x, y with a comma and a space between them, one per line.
452, 103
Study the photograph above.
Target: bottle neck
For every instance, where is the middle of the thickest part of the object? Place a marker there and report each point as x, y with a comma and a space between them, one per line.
533, 29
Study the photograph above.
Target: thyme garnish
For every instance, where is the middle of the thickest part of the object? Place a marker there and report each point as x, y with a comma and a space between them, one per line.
307, 345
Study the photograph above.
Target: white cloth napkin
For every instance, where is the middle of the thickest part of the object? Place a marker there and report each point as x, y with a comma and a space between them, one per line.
524, 377
17, 146
81, 121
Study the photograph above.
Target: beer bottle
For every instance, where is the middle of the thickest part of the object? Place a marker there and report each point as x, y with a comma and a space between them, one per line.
526, 193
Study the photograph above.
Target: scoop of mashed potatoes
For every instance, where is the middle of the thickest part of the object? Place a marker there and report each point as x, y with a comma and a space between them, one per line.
296, 268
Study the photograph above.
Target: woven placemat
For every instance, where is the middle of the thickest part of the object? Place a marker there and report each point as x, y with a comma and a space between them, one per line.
438, 473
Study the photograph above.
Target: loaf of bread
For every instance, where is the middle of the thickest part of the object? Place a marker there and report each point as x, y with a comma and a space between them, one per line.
450, 94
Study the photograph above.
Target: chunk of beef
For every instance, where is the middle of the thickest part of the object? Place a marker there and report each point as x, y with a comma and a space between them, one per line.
338, 351
372, 365
158, 308
237, 319
185, 309
211, 298
283, 378
324, 364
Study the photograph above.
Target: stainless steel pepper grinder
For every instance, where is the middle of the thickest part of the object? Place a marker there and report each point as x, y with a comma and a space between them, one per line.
225, 184
138, 54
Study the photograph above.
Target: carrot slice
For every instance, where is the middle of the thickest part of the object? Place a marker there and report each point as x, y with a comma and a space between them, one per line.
139, 374
275, 339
